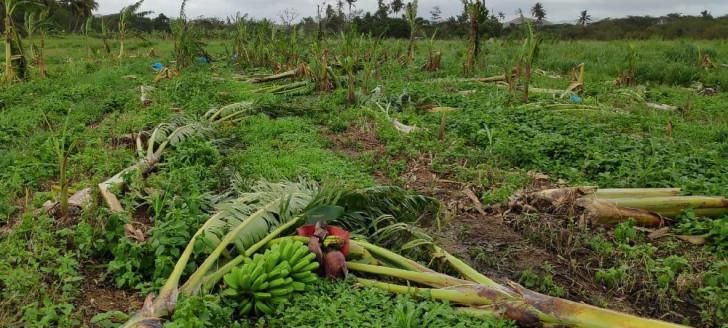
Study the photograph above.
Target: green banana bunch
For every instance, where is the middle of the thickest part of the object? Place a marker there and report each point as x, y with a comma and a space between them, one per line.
266, 280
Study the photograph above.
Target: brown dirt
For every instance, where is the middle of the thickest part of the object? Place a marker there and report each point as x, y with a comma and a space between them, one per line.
482, 237
99, 296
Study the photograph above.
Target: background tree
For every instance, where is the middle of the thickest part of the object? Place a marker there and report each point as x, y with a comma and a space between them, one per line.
396, 6
351, 5
584, 18
706, 14
82, 9
501, 16
435, 14
538, 12
382, 10
288, 16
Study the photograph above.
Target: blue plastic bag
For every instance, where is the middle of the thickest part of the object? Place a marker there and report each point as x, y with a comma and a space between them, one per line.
576, 99
157, 66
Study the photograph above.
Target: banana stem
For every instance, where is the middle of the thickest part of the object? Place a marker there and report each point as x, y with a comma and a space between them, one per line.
637, 192
392, 257
467, 271
425, 278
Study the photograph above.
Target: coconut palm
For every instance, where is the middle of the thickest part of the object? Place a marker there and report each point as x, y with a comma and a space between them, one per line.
82, 10
538, 12
584, 18
396, 6
351, 5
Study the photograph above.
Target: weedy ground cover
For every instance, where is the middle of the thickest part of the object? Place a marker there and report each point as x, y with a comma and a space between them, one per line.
488, 144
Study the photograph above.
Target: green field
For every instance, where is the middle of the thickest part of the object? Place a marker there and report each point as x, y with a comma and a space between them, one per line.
64, 272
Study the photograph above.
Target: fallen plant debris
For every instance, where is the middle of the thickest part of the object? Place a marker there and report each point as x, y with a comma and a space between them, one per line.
648, 207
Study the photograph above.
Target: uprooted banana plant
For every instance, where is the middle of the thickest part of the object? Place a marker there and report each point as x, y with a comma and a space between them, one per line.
166, 135
246, 224
648, 207
478, 295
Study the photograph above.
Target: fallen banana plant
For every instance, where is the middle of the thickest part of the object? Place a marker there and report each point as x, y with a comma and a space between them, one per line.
301, 70
648, 207
170, 134
251, 221
480, 295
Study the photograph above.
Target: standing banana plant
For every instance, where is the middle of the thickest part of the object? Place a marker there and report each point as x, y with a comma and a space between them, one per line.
411, 16
13, 47
349, 62
37, 22
529, 52
105, 37
86, 32
125, 14
475, 10
63, 146
186, 40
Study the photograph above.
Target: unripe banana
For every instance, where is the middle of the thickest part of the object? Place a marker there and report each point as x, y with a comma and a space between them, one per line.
281, 291
259, 281
298, 286
245, 309
263, 295
263, 308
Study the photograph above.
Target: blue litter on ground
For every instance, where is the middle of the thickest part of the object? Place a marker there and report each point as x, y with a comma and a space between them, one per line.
576, 99
157, 66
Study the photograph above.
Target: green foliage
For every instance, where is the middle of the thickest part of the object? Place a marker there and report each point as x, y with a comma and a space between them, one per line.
612, 277
204, 311
543, 283
287, 148
626, 233
714, 230
40, 282
713, 295
337, 304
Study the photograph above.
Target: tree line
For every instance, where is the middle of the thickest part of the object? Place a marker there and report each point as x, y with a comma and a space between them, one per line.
388, 20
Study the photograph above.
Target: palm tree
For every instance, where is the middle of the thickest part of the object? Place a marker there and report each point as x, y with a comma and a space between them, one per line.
396, 6
584, 19
538, 12
82, 10
351, 4
501, 15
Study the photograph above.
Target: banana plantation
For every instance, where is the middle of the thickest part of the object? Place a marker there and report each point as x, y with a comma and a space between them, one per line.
265, 175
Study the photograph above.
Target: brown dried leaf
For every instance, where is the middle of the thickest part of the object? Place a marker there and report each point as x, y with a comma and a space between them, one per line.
475, 200
134, 233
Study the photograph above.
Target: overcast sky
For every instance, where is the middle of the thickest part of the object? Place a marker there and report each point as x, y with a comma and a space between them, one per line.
556, 10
